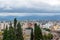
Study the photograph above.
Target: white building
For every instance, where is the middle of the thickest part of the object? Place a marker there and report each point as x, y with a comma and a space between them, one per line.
48, 25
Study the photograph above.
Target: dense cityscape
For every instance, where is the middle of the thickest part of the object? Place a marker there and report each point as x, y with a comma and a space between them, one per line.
29, 30
29, 19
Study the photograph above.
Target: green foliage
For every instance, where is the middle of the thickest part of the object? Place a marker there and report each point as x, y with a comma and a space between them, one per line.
15, 28
15, 33
5, 34
45, 37
37, 33
12, 35
31, 34
19, 32
15, 22
48, 36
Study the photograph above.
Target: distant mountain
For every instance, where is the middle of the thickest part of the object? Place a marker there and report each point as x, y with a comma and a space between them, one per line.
35, 17
28, 10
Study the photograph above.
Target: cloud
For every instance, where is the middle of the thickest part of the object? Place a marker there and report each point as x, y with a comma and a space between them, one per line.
29, 14
13, 14
37, 5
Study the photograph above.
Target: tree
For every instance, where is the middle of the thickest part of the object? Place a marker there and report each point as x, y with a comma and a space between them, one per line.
5, 34
31, 33
19, 32
11, 32
15, 22
49, 36
45, 37
37, 32
15, 27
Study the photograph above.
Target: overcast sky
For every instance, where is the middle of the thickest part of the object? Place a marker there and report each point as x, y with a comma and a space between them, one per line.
26, 7
30, 6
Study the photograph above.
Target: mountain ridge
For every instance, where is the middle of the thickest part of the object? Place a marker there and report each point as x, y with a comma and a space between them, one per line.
31, 17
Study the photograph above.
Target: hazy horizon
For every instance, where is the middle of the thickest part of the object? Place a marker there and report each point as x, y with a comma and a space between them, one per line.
29, 14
